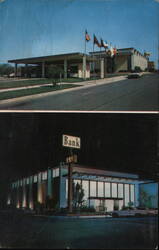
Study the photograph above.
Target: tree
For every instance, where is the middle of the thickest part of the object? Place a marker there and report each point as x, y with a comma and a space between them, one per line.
55, 73
78, 195
6, 69
146, 199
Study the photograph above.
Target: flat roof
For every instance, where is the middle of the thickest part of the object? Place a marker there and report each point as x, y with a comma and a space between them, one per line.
77, 56
124, 51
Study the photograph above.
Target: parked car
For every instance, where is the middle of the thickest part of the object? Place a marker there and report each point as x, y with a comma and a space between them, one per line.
134, 75
134, 212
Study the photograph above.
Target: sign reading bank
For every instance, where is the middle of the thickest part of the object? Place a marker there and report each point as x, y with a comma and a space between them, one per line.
71, 141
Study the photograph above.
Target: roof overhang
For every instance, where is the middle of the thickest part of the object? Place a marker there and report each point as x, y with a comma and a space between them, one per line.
71, 57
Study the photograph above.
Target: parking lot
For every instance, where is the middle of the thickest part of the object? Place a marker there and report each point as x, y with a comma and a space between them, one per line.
25, 231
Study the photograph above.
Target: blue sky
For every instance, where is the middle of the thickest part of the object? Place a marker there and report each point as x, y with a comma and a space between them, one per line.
31, 28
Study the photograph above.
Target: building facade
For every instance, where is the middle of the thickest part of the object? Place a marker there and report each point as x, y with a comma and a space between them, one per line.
103, 190
80, 65
125, 60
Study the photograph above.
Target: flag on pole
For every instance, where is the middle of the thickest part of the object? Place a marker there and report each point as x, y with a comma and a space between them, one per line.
87, 37
104, 44
114, 50
96, 42
111, 51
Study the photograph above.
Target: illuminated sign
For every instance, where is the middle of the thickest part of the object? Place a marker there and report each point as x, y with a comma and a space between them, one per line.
71, 141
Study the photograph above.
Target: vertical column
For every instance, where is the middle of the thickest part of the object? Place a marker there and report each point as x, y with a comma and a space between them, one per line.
49, 182
39, 193
31, 205
65, 68
62, 191
26, 70
70, 188
102, 68
17, 195
136, 201
132, 62
84, 67
43, 70
24, 194
105, 67
15, 69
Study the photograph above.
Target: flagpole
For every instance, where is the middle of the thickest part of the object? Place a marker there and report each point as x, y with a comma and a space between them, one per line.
85, 43
93, 59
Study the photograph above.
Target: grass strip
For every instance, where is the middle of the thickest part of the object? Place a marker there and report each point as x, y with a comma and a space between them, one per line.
25, 83
34, 91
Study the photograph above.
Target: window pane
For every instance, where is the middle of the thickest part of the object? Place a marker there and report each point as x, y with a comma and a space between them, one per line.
120, 190
86, 189
66, 189
93, 188
132, 192
107, 189
114, 189
100, 189
126, 194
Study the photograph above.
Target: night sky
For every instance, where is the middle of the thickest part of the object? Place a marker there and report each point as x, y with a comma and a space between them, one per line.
30, 142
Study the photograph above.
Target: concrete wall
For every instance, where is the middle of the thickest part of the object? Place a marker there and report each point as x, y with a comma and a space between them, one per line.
121, 63
139, 60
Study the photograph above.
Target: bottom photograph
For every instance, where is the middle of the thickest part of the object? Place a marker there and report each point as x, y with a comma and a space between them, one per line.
79, 180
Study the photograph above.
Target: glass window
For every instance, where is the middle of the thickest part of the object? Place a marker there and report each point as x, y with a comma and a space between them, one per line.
107, 189
126, 194
66, 188
120, 190
44, 175
100, 189
114, 189
93, 188
35, 178
75, 182
85, 186
55, 172
132, 192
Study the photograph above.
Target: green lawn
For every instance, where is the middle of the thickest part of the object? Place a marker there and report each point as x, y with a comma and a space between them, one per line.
25, 83
33, 91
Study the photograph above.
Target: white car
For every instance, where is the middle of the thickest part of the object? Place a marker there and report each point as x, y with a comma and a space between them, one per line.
134, 75
134, 212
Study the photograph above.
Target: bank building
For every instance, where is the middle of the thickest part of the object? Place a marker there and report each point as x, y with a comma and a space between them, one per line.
103, 190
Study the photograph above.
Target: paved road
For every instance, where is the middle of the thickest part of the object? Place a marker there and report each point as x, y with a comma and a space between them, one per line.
125, 95
70, 233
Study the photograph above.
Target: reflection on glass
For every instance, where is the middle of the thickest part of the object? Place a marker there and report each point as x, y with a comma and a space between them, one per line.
66, 188
132, 192
120, 190
107, 189
93, 188
85, 186
114, 189
100, 189
126, 194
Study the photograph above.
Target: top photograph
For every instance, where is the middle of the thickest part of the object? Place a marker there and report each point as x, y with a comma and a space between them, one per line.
79, 55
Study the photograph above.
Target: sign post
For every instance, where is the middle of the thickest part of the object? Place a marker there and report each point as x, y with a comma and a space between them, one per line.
70, 142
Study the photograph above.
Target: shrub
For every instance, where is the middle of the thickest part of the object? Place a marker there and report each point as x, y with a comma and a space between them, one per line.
137, 69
